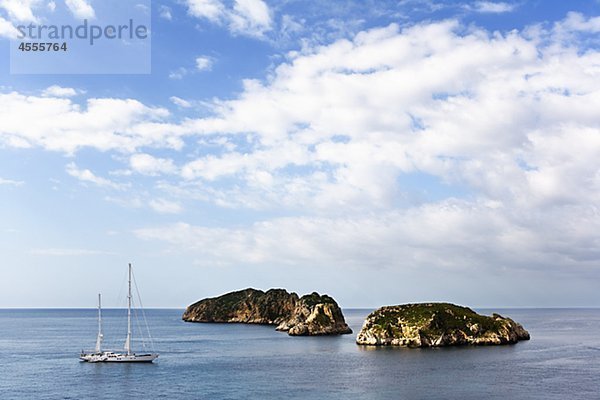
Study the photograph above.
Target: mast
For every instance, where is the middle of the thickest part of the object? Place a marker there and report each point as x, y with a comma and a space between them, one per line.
100, 336
128, 340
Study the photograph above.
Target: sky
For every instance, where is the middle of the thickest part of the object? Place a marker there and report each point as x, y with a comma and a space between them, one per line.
382, 152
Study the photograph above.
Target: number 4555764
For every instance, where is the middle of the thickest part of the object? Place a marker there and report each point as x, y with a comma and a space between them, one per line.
27, 46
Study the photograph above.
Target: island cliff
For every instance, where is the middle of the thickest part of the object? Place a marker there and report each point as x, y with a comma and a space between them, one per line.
312, 314
437, 325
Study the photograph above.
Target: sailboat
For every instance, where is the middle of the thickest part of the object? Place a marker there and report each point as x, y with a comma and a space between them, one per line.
99, 355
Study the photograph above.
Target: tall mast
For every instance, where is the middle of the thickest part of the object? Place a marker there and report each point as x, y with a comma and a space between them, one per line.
100, 336
128, 341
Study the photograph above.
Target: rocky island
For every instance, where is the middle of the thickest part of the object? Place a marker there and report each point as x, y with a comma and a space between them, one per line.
312, 314
437, 325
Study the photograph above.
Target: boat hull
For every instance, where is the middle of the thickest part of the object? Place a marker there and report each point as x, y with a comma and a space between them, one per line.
110, 357
134, 358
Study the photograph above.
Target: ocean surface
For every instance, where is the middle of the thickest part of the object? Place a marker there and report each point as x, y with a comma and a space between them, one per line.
39, 360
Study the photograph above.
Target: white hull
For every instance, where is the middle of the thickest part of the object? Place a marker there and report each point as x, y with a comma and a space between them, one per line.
117, 357
134, 358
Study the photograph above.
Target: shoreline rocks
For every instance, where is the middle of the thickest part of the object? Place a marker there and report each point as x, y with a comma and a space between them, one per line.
437, 325
309, 315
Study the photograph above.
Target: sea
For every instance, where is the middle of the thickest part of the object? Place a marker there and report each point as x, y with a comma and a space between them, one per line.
39, 351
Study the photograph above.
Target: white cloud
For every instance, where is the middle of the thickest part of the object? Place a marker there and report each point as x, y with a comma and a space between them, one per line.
507, 123
579, 23
424, 5
51, 6
250, 17
460, 89
143, 8
493, 7
212, 10
201, 64
180, 102
10, 182
149, 165
204, 63
289, 25
59, 252
7, 29
165, 207
103, 124
245, 17
85, 175
448, 236
20, 10
58, 91
332, 132
81, 9
165, 13
178, 73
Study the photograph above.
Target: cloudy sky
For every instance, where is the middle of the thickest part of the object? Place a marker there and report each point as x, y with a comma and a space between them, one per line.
378, 151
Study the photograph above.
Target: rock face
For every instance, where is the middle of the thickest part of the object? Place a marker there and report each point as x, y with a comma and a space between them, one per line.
315, 315
437, 325
311, 314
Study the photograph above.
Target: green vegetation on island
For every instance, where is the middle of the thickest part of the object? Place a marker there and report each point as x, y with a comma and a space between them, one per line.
437, 325
312, 314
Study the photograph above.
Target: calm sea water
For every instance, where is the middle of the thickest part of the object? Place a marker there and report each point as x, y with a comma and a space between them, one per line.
39, 349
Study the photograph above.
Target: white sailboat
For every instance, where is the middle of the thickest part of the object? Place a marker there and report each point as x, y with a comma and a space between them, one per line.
98, 355
92, 356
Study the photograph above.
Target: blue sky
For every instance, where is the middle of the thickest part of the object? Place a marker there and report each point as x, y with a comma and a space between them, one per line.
378, 151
